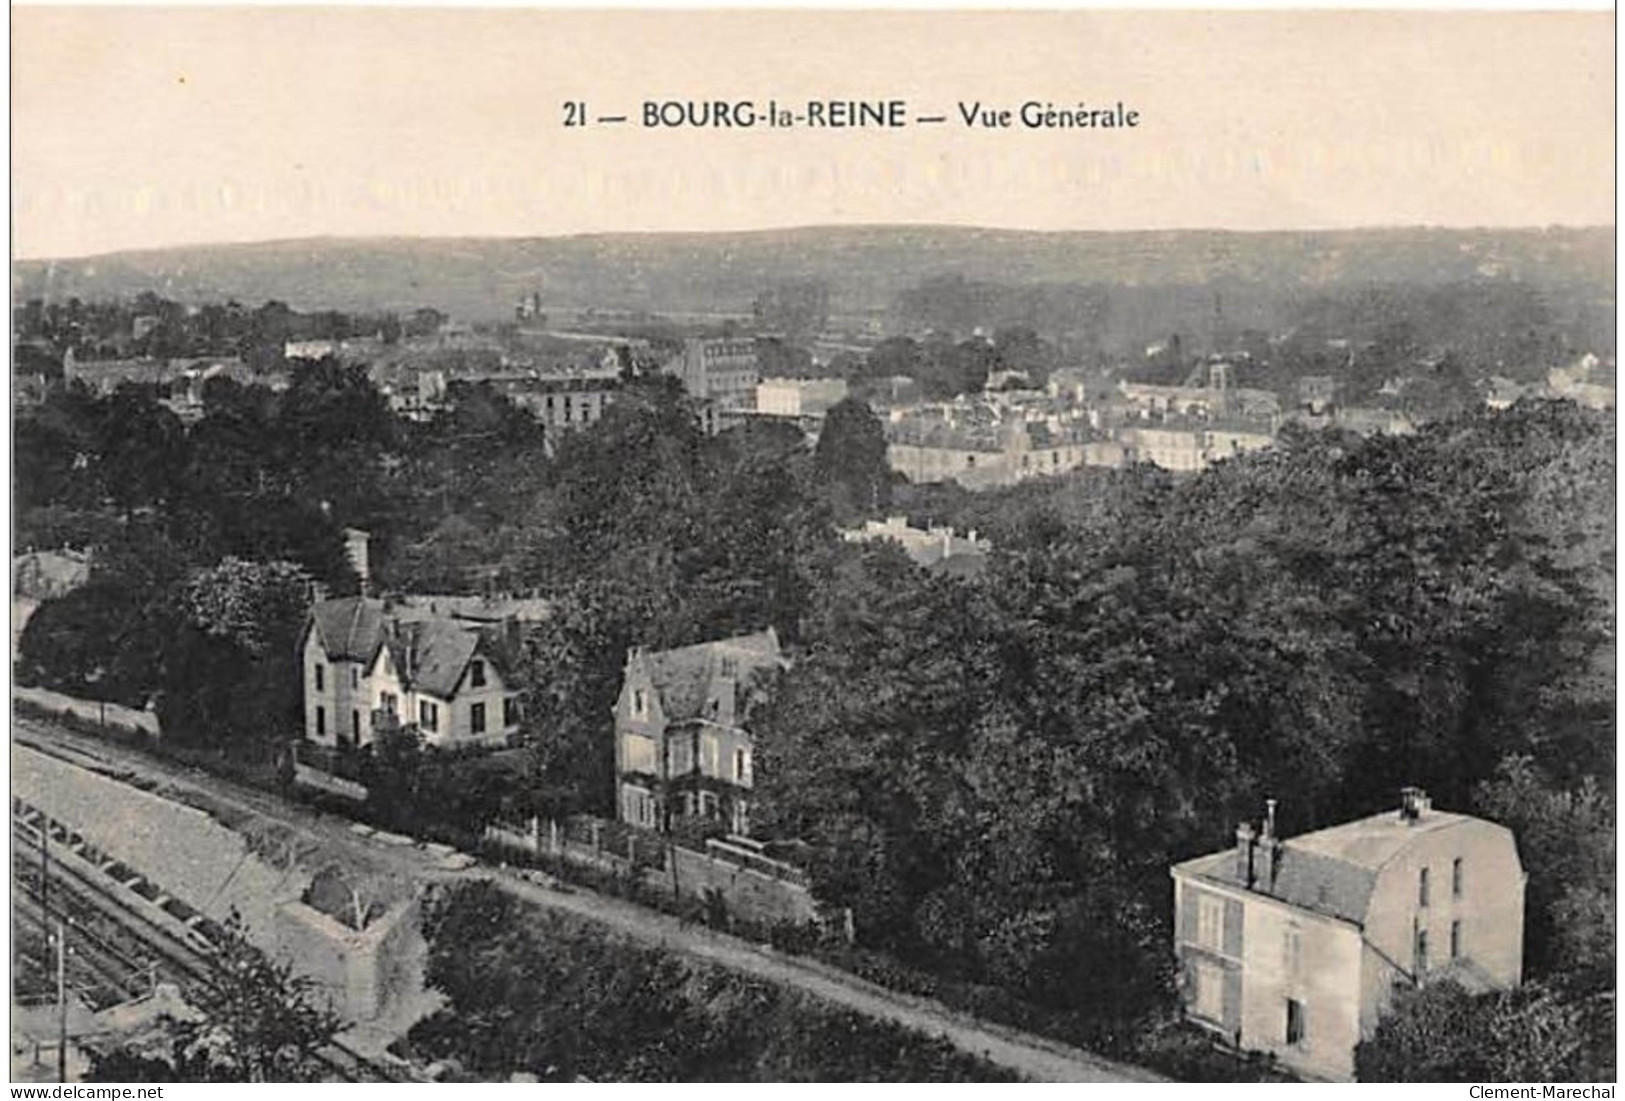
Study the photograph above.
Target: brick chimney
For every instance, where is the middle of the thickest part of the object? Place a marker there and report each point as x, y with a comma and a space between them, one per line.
1246, 841
1267, 855
1414, 804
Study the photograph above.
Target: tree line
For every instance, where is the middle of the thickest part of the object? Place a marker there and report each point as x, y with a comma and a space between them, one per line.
995, 778
993, 775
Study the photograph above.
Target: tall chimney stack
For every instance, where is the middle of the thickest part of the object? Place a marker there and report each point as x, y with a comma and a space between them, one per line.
1246, 840
1413, 804
1267, 858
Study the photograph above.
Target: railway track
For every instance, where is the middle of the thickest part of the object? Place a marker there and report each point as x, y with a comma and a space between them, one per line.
99, 973
114, 940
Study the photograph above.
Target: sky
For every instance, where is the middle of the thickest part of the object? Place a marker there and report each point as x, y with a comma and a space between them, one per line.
138, 128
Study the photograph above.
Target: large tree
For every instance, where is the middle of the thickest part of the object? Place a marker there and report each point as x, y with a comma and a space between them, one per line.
850, 460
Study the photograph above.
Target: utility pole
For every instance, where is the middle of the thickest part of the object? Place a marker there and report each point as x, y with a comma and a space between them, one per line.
61, 1002
44, 865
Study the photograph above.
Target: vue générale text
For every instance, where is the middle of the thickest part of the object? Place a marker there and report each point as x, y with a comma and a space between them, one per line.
884, 114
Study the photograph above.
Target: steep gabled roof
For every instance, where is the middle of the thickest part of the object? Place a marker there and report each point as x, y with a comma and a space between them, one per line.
430, 651
433, 653
350, 628
683, 676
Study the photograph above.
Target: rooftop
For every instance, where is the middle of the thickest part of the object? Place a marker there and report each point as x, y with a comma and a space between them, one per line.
429, 645
1331, 871
683, 675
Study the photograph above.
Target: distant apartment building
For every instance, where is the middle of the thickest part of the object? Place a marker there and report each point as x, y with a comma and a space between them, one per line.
103, 376
723, 371
415, 395
798, 397
1217, 398
683, 747
369, 664
562, 401
1181, 444
980, 444
1295, 946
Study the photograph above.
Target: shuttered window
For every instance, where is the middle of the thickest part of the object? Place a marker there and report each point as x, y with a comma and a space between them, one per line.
1210, 922
1209, 1000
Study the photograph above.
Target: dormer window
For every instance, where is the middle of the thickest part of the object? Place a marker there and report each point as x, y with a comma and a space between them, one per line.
476, 673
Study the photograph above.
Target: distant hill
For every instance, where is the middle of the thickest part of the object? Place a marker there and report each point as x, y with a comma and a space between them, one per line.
866, 267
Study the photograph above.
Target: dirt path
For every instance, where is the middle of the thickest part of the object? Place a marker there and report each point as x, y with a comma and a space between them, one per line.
1031, 1056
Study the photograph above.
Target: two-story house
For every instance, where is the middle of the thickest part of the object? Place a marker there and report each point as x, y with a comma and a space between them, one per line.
682, 747
368, 663
1295, 946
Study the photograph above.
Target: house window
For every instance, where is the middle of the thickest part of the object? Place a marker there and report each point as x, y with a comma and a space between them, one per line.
1455, 940
355, 725
1455, 878
637, 806
510, 711
741, 766
1295, 1033
730, 667
321, 677
428, 715
476, 674
476, 718
640, 703
355, 676
1422, 888
389, 702
1421, 950
1292, 952
1209, 1000
639, 753
713, 756
1210, 922
321, 720
708, 804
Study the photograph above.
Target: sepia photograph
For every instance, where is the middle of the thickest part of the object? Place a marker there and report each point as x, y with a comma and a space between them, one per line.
791, 546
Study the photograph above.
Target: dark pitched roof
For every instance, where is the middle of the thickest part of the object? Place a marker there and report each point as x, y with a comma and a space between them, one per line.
432, 654
1331, 871
430, 650
1304, 880
683, 676
350, 627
